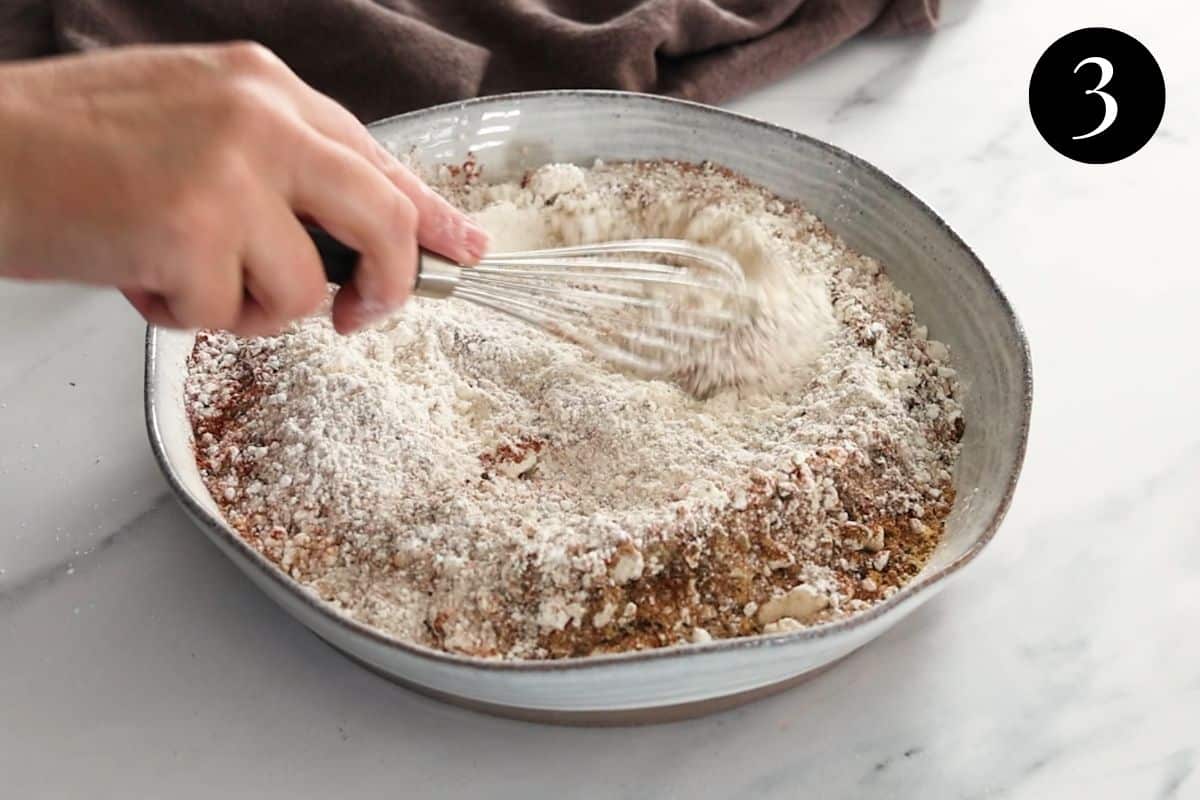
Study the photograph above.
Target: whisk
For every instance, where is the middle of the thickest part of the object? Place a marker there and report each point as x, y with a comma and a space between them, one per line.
642, 303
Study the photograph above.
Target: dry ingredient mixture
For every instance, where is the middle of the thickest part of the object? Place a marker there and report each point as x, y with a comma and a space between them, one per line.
459, 480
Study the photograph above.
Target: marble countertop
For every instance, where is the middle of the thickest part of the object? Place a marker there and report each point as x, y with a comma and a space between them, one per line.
136, 661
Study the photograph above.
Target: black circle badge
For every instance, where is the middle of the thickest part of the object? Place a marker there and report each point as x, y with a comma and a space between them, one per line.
1097, 95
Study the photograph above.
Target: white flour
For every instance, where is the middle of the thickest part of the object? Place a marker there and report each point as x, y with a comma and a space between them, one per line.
462, 481
560, 206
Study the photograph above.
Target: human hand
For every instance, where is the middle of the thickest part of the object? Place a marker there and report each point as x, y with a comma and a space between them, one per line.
177, 175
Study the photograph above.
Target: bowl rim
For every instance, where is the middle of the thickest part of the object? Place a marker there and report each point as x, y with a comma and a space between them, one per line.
904, 597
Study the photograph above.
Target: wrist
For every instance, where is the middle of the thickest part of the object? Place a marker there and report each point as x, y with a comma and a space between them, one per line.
13, 130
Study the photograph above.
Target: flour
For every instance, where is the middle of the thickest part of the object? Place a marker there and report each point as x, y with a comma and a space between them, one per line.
773, 347
462, 481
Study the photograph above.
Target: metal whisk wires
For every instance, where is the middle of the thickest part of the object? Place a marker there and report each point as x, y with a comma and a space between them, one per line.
642, 303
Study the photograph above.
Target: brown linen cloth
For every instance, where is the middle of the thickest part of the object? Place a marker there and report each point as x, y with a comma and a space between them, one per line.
381, 57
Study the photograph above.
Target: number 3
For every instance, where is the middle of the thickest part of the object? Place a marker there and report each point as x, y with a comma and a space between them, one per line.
1110, 103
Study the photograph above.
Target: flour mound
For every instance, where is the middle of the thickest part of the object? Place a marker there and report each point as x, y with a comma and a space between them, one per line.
462, 481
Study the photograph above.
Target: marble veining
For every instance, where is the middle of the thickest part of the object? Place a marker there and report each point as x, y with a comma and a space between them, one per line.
136, 661
14, 591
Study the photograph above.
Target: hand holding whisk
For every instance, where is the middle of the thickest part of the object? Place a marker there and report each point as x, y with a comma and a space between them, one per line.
644, 304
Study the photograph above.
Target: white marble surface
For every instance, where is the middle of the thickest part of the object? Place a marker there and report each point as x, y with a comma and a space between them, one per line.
135, 661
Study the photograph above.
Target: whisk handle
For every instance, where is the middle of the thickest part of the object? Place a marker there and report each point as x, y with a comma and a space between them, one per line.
436, 277
339, 261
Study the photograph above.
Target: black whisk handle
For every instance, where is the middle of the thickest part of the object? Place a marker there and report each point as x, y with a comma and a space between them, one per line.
339, 261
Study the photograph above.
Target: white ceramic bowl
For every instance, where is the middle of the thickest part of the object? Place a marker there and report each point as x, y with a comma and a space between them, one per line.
954, 295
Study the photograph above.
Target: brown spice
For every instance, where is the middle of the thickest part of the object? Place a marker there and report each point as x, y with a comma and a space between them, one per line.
687, 579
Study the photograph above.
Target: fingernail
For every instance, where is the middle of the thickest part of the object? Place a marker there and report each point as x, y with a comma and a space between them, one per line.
383, 156
367, 308
370, 311
474, 239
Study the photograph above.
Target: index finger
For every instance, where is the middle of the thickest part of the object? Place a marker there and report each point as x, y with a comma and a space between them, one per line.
352, 200
441, 227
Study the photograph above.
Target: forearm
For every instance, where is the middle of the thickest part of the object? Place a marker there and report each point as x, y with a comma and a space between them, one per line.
176, 174
14, 138
44, 160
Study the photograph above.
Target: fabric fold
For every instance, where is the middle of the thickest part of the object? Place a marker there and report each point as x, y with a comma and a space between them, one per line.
382, 57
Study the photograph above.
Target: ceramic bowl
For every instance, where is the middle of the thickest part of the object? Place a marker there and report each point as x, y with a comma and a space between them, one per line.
953, 293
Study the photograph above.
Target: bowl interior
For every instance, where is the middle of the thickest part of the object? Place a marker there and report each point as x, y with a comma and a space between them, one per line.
952, 292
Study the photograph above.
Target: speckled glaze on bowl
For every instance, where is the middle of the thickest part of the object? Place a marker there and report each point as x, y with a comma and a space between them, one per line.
953, 293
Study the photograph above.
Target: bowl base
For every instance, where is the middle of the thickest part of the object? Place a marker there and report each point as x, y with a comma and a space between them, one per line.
651, 715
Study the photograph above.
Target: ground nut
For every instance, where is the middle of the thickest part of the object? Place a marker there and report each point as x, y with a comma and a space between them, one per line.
801, 602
